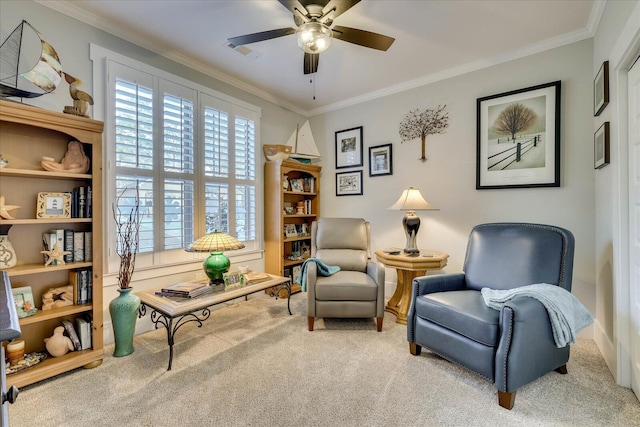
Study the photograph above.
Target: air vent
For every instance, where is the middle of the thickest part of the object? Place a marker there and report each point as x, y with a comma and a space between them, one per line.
244, 51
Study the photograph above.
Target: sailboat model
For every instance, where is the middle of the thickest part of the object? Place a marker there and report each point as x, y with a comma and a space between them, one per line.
302, 144
46, 74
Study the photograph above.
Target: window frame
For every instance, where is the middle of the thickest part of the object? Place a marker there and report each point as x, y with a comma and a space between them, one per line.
105, 62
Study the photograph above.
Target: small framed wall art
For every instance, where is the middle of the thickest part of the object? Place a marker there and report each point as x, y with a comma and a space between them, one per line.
53, 205
349, 183
601, 146
601, 89
349, 148
380, 160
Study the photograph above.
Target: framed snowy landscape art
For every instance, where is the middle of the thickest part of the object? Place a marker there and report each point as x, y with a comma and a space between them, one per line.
519, 138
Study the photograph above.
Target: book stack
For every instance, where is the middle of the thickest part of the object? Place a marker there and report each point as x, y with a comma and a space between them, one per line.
256, 277
185, 290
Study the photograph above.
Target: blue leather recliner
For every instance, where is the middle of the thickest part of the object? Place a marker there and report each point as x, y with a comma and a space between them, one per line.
510, 347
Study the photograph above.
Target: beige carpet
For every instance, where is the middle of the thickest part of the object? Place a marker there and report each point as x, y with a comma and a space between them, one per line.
253, 365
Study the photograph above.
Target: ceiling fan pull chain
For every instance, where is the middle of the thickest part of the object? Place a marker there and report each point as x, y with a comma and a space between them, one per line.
313, 81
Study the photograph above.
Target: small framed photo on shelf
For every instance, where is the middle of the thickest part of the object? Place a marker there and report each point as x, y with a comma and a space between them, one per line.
290, 230
349, 183
380, 160
601, 89
23, 298
601, 146
349, 148
297, 185
53, 205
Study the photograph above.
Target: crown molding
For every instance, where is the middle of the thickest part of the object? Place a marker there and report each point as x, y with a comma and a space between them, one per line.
548, 44
596, 14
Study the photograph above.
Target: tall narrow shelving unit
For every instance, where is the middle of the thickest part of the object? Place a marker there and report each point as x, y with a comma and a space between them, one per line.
279, 175
26, 134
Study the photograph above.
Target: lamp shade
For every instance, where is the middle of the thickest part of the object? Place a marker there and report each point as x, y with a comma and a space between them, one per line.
215, 242
217, 263
412, 200
313, 37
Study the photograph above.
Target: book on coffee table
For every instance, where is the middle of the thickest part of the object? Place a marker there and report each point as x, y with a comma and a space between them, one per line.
256, 276
185, 290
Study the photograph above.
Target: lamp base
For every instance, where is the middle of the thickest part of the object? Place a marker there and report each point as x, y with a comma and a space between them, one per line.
215, 266
411, 223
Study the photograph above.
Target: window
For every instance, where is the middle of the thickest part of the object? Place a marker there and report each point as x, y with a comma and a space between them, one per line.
187, 151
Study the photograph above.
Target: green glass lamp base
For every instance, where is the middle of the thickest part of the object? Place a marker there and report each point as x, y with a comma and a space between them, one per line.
215, 266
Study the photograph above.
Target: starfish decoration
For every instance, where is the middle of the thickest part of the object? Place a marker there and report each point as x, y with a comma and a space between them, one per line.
58, 297
4, 209
55, 255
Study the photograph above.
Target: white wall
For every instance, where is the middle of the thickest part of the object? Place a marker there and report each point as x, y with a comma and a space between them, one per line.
447, 178
618, 41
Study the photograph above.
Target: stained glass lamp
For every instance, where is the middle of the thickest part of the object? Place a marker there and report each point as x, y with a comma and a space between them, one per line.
217, 263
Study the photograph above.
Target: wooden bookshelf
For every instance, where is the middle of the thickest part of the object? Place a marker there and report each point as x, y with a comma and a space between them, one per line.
279, 246
26, 134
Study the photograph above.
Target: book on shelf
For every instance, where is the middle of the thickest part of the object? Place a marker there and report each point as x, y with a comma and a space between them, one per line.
68, 245
83, 329
71, 332
78, 246
82, 281
49, 240
88, 245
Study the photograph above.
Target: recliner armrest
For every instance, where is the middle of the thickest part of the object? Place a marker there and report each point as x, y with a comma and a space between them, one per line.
438, 283
526, 350
376, 271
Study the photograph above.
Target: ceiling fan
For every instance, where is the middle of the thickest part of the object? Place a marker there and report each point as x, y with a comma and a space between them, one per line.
314, 19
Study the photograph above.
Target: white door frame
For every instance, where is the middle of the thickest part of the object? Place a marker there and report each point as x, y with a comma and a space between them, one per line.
623, 55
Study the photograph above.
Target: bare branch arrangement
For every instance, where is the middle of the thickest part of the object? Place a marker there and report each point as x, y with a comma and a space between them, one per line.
419, 124
127, 237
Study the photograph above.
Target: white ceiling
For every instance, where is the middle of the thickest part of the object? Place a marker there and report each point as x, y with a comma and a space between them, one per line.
434, 40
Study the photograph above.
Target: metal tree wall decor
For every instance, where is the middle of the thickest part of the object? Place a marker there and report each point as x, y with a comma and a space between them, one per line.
419, 124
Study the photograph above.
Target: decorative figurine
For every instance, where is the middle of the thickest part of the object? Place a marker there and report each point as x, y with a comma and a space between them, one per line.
58, 344
55, 255
4, 209
57, 297
74, 160
81, 99
3, 162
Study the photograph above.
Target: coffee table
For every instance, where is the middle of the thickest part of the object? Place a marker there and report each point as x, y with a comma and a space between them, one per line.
172, 312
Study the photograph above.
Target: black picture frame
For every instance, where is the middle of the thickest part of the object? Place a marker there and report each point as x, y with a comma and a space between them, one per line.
381, 160
601, 89
601, 146
530, 160
349, 183
349, 148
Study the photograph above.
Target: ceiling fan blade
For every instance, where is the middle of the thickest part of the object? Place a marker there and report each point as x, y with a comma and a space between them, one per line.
258, 37
311, 62
363, 38
339, 7
292, 5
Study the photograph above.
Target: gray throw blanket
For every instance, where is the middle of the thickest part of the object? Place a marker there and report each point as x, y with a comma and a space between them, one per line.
322, 269
567, 315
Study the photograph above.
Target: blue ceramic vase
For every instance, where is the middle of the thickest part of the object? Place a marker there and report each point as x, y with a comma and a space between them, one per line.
124, 313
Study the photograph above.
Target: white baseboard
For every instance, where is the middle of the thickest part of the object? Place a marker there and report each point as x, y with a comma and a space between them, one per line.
606, 347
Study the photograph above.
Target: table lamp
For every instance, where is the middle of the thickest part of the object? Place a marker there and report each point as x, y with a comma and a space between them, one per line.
411, 201
217, 263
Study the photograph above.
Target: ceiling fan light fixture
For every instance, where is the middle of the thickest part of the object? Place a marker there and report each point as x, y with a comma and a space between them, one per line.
313, 37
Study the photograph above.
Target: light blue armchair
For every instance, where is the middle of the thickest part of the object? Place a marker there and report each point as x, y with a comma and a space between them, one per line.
510, 347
